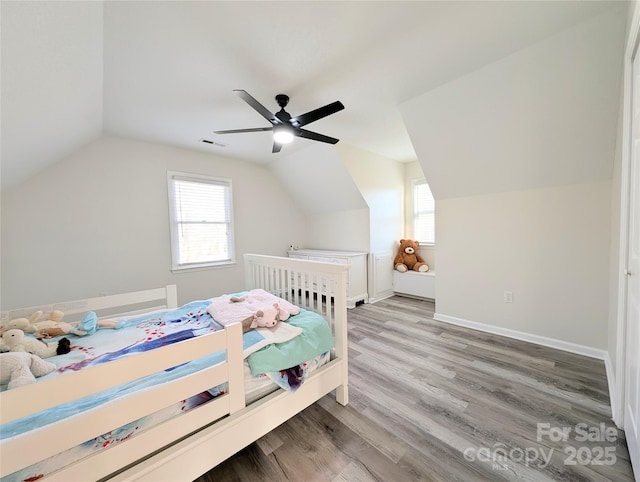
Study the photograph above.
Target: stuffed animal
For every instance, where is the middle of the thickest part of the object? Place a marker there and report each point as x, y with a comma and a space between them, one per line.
281, 314
90, 324
87, 326
24, 324
261, 299
21, 368
35, 322
60, 329
257, 308
16, 341
50, 320
267, 318
408, 257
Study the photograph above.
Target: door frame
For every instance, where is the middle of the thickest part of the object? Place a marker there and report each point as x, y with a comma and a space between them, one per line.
631, 50
617, 405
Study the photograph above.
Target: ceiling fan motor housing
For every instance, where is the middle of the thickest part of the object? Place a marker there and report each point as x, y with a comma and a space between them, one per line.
282, 100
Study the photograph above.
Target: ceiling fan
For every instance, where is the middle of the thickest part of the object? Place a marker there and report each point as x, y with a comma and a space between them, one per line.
284, 126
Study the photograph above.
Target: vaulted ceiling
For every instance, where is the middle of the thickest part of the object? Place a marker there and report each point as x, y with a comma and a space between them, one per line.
164, 72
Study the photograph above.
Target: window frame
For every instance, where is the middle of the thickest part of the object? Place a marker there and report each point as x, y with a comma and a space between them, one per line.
174, 224
415, 183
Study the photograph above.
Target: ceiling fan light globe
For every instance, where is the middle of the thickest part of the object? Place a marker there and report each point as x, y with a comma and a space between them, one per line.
282, 136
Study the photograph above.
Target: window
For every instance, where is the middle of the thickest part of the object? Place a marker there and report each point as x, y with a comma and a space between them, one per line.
423, 213
201, 221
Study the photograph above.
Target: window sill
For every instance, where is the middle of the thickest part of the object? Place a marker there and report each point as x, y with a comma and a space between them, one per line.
426, 245
202, 267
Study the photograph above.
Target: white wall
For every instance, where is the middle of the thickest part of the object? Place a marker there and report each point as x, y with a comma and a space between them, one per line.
339, 230
550, 247
614, 249
337, 216
381, 183
519, 155
51, 82
98, 222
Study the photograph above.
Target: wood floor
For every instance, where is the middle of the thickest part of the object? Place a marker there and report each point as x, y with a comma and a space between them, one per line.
432, 401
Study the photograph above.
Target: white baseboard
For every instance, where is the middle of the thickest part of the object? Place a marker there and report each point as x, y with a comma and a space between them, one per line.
381, 296
422, 298
529, 337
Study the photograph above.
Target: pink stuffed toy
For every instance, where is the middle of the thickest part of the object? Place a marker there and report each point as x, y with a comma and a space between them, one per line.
268, 318
256, 309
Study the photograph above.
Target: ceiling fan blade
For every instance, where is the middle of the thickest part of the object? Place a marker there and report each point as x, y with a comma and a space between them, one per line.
314, 136
262, 110
237, 131
276, 147
314, 115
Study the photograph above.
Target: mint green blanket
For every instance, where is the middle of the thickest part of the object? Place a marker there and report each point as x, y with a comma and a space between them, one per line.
314, 340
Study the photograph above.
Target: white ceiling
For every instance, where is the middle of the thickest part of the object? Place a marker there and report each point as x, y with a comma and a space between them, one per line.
165, 71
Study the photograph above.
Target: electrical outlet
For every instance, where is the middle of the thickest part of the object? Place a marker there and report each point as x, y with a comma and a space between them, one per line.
508, 296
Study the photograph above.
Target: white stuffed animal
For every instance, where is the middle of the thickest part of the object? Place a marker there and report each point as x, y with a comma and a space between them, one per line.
24, 324
15, 340
44, 321
37, 321
21, 368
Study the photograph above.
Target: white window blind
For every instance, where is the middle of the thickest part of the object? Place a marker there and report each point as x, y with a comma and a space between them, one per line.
201, 220
424, 207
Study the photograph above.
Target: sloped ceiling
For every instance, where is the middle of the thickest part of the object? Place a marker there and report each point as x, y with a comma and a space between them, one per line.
51, 83
164, 71
318, 180
541, 117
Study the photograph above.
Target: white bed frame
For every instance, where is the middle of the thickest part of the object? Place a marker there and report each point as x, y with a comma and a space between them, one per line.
184, 447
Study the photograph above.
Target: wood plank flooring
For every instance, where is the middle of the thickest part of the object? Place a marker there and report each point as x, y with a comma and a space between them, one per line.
433, 401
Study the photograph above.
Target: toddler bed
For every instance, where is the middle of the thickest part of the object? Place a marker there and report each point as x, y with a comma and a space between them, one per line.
188, 403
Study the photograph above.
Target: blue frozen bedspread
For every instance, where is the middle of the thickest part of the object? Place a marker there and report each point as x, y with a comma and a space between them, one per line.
302, 337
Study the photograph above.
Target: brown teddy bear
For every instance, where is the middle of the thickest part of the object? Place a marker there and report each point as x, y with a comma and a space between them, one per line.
408, 257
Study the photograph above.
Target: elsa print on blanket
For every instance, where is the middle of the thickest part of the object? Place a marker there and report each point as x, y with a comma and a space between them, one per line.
157, 330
